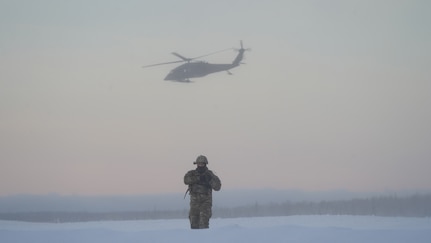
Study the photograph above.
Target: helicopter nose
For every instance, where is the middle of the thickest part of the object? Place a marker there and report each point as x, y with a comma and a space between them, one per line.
169, 77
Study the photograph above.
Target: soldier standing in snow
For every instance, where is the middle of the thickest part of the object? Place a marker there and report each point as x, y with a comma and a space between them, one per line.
201, 182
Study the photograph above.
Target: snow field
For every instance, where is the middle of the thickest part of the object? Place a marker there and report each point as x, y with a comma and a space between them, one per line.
302, 229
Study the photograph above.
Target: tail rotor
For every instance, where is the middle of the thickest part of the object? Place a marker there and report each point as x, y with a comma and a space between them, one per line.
242, 48
240, 55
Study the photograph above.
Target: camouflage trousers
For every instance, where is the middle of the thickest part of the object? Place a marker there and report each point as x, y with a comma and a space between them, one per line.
200, 210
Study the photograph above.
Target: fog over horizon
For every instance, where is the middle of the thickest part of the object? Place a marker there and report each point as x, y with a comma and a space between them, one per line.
177, 201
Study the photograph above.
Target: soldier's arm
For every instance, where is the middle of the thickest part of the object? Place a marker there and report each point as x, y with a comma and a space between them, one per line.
190, 178
215, 182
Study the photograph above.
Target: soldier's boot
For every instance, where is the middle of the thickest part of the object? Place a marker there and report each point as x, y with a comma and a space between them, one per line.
204, 221
194, 221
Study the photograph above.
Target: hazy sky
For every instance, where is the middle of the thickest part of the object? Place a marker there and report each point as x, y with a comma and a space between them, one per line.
333, 95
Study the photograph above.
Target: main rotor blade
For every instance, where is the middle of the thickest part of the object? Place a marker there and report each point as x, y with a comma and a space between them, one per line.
184, 58
163, 63
212, 53
190, 59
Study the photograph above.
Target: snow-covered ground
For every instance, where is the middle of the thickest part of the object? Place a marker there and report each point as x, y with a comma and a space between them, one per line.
291, 229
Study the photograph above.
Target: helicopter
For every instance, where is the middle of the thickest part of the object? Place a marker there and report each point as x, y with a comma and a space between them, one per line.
196, 69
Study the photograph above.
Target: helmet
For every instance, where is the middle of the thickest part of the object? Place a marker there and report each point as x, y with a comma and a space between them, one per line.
201, 159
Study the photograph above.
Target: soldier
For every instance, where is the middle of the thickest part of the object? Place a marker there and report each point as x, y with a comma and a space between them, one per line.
201, 182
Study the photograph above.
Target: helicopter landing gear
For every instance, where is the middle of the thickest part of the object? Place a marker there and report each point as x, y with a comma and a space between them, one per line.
184, 81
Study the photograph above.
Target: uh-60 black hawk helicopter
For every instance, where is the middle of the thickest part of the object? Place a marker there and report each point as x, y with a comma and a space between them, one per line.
196, 69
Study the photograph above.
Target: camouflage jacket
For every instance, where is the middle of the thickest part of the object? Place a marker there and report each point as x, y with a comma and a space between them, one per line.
202, 182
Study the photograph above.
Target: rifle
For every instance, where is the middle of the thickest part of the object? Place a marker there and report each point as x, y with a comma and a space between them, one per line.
188, 190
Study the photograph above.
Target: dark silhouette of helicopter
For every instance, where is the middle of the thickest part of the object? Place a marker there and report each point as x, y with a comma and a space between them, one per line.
196, 69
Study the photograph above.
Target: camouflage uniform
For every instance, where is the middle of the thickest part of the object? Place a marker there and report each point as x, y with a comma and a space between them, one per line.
201, 182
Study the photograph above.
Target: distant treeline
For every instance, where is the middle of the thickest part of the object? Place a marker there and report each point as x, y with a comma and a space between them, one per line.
63, 217
392, 206
418, 205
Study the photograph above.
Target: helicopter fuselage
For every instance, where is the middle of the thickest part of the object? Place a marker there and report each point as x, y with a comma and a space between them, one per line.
189, 70
196, 69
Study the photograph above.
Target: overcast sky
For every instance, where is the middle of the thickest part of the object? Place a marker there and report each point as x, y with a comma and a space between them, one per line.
333, 95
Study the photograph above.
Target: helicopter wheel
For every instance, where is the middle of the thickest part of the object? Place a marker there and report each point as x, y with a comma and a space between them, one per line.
184, 81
